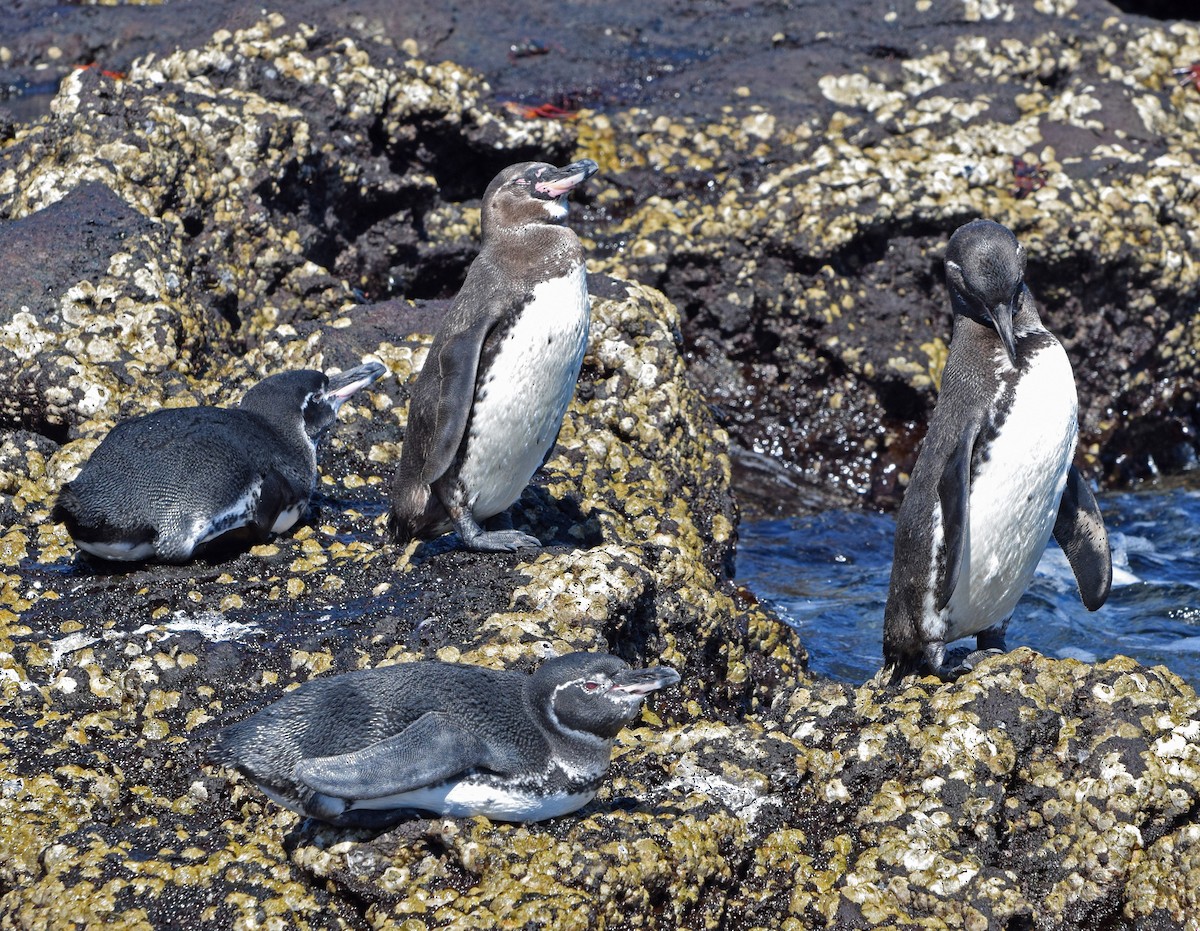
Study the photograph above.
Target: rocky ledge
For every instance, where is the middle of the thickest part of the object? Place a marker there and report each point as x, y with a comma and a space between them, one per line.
172, 235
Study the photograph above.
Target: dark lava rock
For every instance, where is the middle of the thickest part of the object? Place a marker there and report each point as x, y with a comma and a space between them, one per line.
286, 191
787, 175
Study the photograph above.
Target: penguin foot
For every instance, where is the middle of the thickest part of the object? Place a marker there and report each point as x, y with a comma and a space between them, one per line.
967, 663
501, 541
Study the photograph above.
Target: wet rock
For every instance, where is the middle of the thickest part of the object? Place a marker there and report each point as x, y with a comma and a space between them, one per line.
277, 171
805, 253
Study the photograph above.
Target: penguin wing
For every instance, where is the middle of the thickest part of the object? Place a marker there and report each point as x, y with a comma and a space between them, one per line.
1079, 530
457, 362
954, 495
433, 749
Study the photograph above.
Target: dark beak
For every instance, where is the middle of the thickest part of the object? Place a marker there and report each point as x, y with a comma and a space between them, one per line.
562, 181
344, 384
1002, 320
642, 682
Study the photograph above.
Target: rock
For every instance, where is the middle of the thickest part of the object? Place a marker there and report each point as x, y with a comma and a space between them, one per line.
804, 249
278, 170
92, 306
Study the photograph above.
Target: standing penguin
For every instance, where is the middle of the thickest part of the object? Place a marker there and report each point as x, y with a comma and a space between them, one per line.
488, 404
361, 749
994, 476
162, 485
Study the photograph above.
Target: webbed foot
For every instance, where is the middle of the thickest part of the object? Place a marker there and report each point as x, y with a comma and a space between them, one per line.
479, 540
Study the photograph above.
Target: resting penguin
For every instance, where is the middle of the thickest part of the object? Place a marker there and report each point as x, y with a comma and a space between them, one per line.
163, 485
487, 406
994, 476
365, 748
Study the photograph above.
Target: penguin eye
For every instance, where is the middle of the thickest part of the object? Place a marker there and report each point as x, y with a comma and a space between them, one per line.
591, 686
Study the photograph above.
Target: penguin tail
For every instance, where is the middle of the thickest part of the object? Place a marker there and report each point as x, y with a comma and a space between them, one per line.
897, 666
87, 524
408, 517
889, 676
65, 504
69, 509
399, 528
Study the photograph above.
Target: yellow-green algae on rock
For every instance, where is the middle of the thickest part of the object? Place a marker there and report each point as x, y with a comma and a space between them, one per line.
808, 248
1033, 791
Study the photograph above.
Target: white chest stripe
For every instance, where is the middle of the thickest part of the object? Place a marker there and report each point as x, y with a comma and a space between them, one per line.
1015, 496
522, 397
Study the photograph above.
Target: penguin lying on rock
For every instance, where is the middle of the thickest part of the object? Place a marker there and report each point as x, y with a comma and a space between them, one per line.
161, 486
489, 402
365, 748
994, 477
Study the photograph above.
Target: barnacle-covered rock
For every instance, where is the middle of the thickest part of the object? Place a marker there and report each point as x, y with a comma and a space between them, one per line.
800, 229
224, 203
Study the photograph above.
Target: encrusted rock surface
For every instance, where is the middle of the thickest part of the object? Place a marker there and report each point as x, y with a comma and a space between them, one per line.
811, 283
787, 175
204, 221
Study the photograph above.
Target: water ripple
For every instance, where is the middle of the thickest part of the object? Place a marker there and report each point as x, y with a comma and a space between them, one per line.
828, 576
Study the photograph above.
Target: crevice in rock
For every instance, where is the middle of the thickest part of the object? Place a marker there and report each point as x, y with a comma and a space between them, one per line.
1159, 9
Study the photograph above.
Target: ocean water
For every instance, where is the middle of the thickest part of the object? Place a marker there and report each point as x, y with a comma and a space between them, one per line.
827, 575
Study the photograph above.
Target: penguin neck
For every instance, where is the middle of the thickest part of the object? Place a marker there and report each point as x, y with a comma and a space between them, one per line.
571, 742
973, 338
293, 437
535, 251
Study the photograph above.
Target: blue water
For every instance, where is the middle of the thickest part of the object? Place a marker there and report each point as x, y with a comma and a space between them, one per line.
827, 575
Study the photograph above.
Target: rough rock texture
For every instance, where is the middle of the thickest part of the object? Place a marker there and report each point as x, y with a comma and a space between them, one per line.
206, 220
811, 283
787, 174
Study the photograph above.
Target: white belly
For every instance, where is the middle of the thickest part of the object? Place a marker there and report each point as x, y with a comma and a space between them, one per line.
117, 552
1015, 496
520, 401
464, 799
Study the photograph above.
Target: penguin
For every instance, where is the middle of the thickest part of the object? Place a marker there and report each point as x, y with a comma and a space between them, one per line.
994, 478
488, 404
161, 486
366, 748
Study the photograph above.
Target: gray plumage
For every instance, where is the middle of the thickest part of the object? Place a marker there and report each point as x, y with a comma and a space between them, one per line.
994, 476
488, 404
162, 485
364, 748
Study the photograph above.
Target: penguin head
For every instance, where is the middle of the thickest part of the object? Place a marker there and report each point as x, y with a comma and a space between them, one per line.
985, 272
532, 193
312, 395
593, 693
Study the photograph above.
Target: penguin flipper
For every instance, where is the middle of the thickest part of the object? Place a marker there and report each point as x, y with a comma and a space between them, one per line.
457, 363
1079, 530
954, 495
433, 749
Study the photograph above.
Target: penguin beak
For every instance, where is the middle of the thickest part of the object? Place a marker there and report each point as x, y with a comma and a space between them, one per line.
344, 384
1002, 319
559, 182
638, 683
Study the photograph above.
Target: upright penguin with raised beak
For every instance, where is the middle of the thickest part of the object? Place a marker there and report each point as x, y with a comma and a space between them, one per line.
994, 477
487, 407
